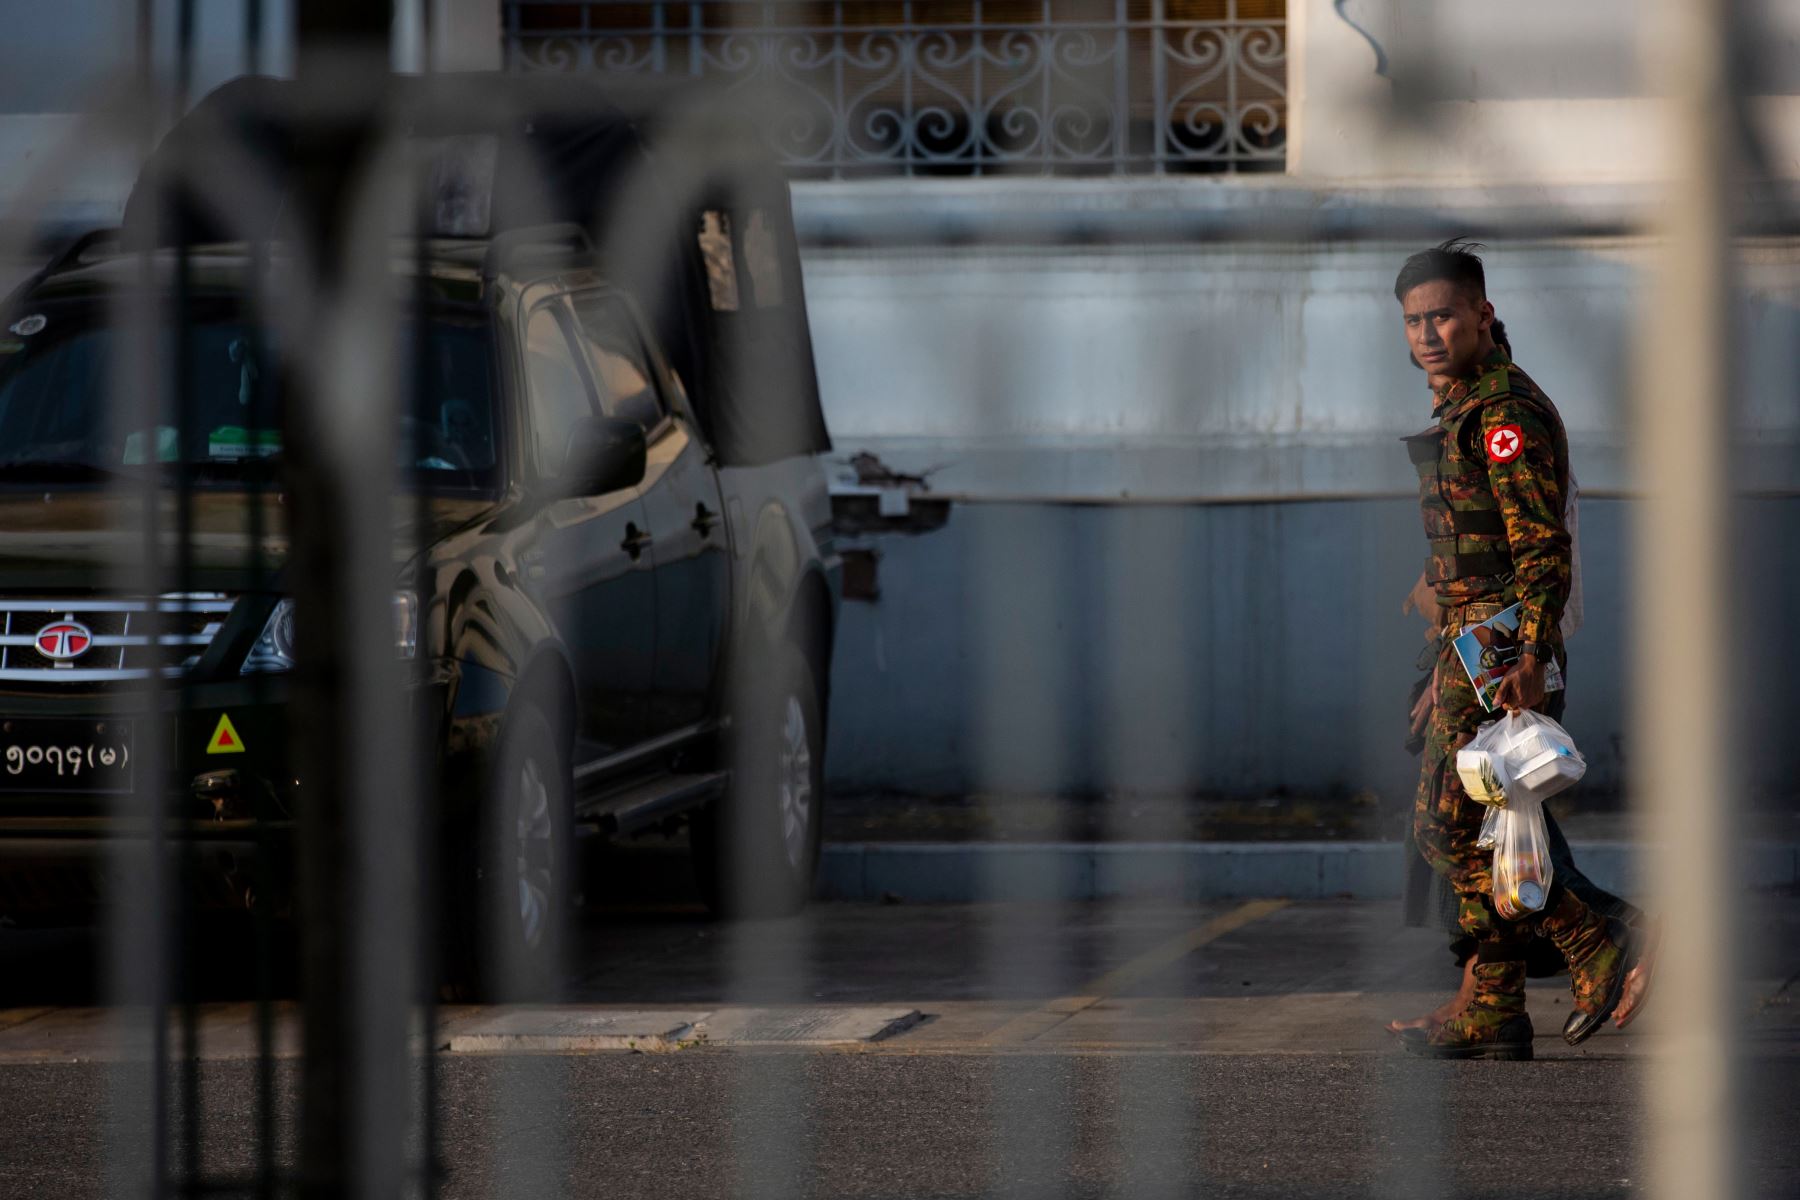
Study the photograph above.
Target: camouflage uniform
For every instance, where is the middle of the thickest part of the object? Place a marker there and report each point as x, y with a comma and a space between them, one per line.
1493, 473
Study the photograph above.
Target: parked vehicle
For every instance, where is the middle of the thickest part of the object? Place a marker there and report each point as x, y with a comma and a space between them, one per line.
619, 613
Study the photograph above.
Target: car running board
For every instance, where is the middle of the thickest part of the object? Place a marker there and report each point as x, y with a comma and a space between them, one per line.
642, 805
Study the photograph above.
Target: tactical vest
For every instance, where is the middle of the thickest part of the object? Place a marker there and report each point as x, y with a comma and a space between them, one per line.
1463, 525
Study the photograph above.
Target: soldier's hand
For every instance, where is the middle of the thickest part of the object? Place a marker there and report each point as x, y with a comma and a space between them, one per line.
1523, 686
1422, 599
1423, 706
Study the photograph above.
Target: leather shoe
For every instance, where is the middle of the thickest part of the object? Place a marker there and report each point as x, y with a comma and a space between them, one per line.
1582, 1025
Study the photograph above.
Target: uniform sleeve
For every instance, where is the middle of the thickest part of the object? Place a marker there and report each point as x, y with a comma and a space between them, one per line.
1521, 465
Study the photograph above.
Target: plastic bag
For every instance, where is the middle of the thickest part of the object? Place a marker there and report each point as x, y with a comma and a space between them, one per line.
1522, 869
1523, 754
1489, 837
1541, 759
1481, 765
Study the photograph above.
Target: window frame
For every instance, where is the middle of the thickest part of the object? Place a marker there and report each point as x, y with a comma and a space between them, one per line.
556, 304
652, 355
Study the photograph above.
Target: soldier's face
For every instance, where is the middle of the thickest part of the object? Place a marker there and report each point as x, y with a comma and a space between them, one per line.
1445, 327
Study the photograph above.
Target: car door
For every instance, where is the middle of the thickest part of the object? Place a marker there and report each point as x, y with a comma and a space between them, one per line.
681, 499
589, 555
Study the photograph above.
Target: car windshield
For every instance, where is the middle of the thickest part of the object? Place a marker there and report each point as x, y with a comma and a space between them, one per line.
55, 422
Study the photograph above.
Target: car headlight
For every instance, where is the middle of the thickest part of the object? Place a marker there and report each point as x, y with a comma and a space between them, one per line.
274, 648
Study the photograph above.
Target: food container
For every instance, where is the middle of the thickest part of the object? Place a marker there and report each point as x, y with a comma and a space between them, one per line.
1546, 772
1483, 774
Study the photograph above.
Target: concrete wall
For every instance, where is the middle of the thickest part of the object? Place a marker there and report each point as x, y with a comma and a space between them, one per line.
1238, 649
1183, 522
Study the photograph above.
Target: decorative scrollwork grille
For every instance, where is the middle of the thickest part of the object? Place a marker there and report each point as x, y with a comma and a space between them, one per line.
976, 87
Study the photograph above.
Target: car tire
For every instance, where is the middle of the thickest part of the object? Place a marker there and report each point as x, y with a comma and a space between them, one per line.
756, 849
525, 864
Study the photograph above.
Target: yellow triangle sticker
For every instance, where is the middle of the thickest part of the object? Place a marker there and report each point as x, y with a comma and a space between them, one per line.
225, 739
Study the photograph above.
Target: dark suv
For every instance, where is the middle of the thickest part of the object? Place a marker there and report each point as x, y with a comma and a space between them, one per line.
613, 626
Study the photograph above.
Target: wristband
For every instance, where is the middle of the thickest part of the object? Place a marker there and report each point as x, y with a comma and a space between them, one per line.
1537, 650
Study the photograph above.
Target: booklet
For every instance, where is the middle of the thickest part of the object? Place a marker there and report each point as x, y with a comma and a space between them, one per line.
1489, 650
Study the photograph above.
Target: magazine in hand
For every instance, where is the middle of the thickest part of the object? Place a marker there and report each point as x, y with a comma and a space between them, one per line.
1489, 650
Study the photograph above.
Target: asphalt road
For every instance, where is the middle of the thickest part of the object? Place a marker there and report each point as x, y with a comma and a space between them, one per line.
1063, 1051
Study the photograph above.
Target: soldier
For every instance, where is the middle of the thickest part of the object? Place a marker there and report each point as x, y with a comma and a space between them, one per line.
1429, 896
1493, 471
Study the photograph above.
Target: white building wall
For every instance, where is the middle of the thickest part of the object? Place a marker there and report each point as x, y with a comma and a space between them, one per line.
1189, 370
1545, 92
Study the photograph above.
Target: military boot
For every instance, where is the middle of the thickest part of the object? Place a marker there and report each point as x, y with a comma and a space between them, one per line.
1596, 965
1493, 1024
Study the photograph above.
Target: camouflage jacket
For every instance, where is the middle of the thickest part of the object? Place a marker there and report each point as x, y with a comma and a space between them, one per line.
1493, 473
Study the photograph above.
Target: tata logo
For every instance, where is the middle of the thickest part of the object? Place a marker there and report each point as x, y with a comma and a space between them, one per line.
60, 641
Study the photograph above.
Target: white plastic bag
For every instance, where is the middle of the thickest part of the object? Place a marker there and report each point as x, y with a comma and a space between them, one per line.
1522, 869
1540, 756
1481, 765
1489, 837
1523, 754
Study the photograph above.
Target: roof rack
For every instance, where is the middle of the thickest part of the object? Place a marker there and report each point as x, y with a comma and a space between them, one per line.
504, 245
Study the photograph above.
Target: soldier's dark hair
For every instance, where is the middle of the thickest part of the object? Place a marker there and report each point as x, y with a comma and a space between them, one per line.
1454, 260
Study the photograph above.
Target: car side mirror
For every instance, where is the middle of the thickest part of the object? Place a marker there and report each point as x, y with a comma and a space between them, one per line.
606, 454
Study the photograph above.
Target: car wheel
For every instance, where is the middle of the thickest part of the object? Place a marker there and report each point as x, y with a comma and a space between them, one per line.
526, 864
756, 850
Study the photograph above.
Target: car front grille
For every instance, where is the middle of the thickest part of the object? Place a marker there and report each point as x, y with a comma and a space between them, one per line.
116, 644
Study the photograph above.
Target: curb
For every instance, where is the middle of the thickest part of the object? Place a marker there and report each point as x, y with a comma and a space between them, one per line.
953, 873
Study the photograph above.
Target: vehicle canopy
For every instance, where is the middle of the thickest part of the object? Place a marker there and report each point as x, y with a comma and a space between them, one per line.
684, 206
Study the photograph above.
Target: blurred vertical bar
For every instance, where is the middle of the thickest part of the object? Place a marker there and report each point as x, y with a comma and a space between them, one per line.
770, 962
183, 916
357, 876
262, 906
1148, 668
1682, 665
137, 873
422, 770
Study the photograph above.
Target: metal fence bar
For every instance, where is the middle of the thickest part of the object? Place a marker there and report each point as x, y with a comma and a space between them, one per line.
139, 931
1062, 101
1159, 90
1121, 99
1684, 545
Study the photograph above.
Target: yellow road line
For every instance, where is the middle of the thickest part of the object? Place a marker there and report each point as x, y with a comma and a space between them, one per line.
1027, 1026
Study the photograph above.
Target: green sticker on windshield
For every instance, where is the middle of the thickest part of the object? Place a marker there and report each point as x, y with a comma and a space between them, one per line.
235, 442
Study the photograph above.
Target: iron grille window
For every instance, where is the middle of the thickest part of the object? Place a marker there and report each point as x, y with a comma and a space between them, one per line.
977, 87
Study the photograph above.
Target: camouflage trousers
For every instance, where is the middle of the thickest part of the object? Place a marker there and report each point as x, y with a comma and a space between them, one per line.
1446, 821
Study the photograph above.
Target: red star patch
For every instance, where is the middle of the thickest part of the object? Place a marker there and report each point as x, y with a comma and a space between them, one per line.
1505, 443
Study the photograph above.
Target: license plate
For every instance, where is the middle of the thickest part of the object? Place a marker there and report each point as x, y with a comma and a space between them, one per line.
64, 756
